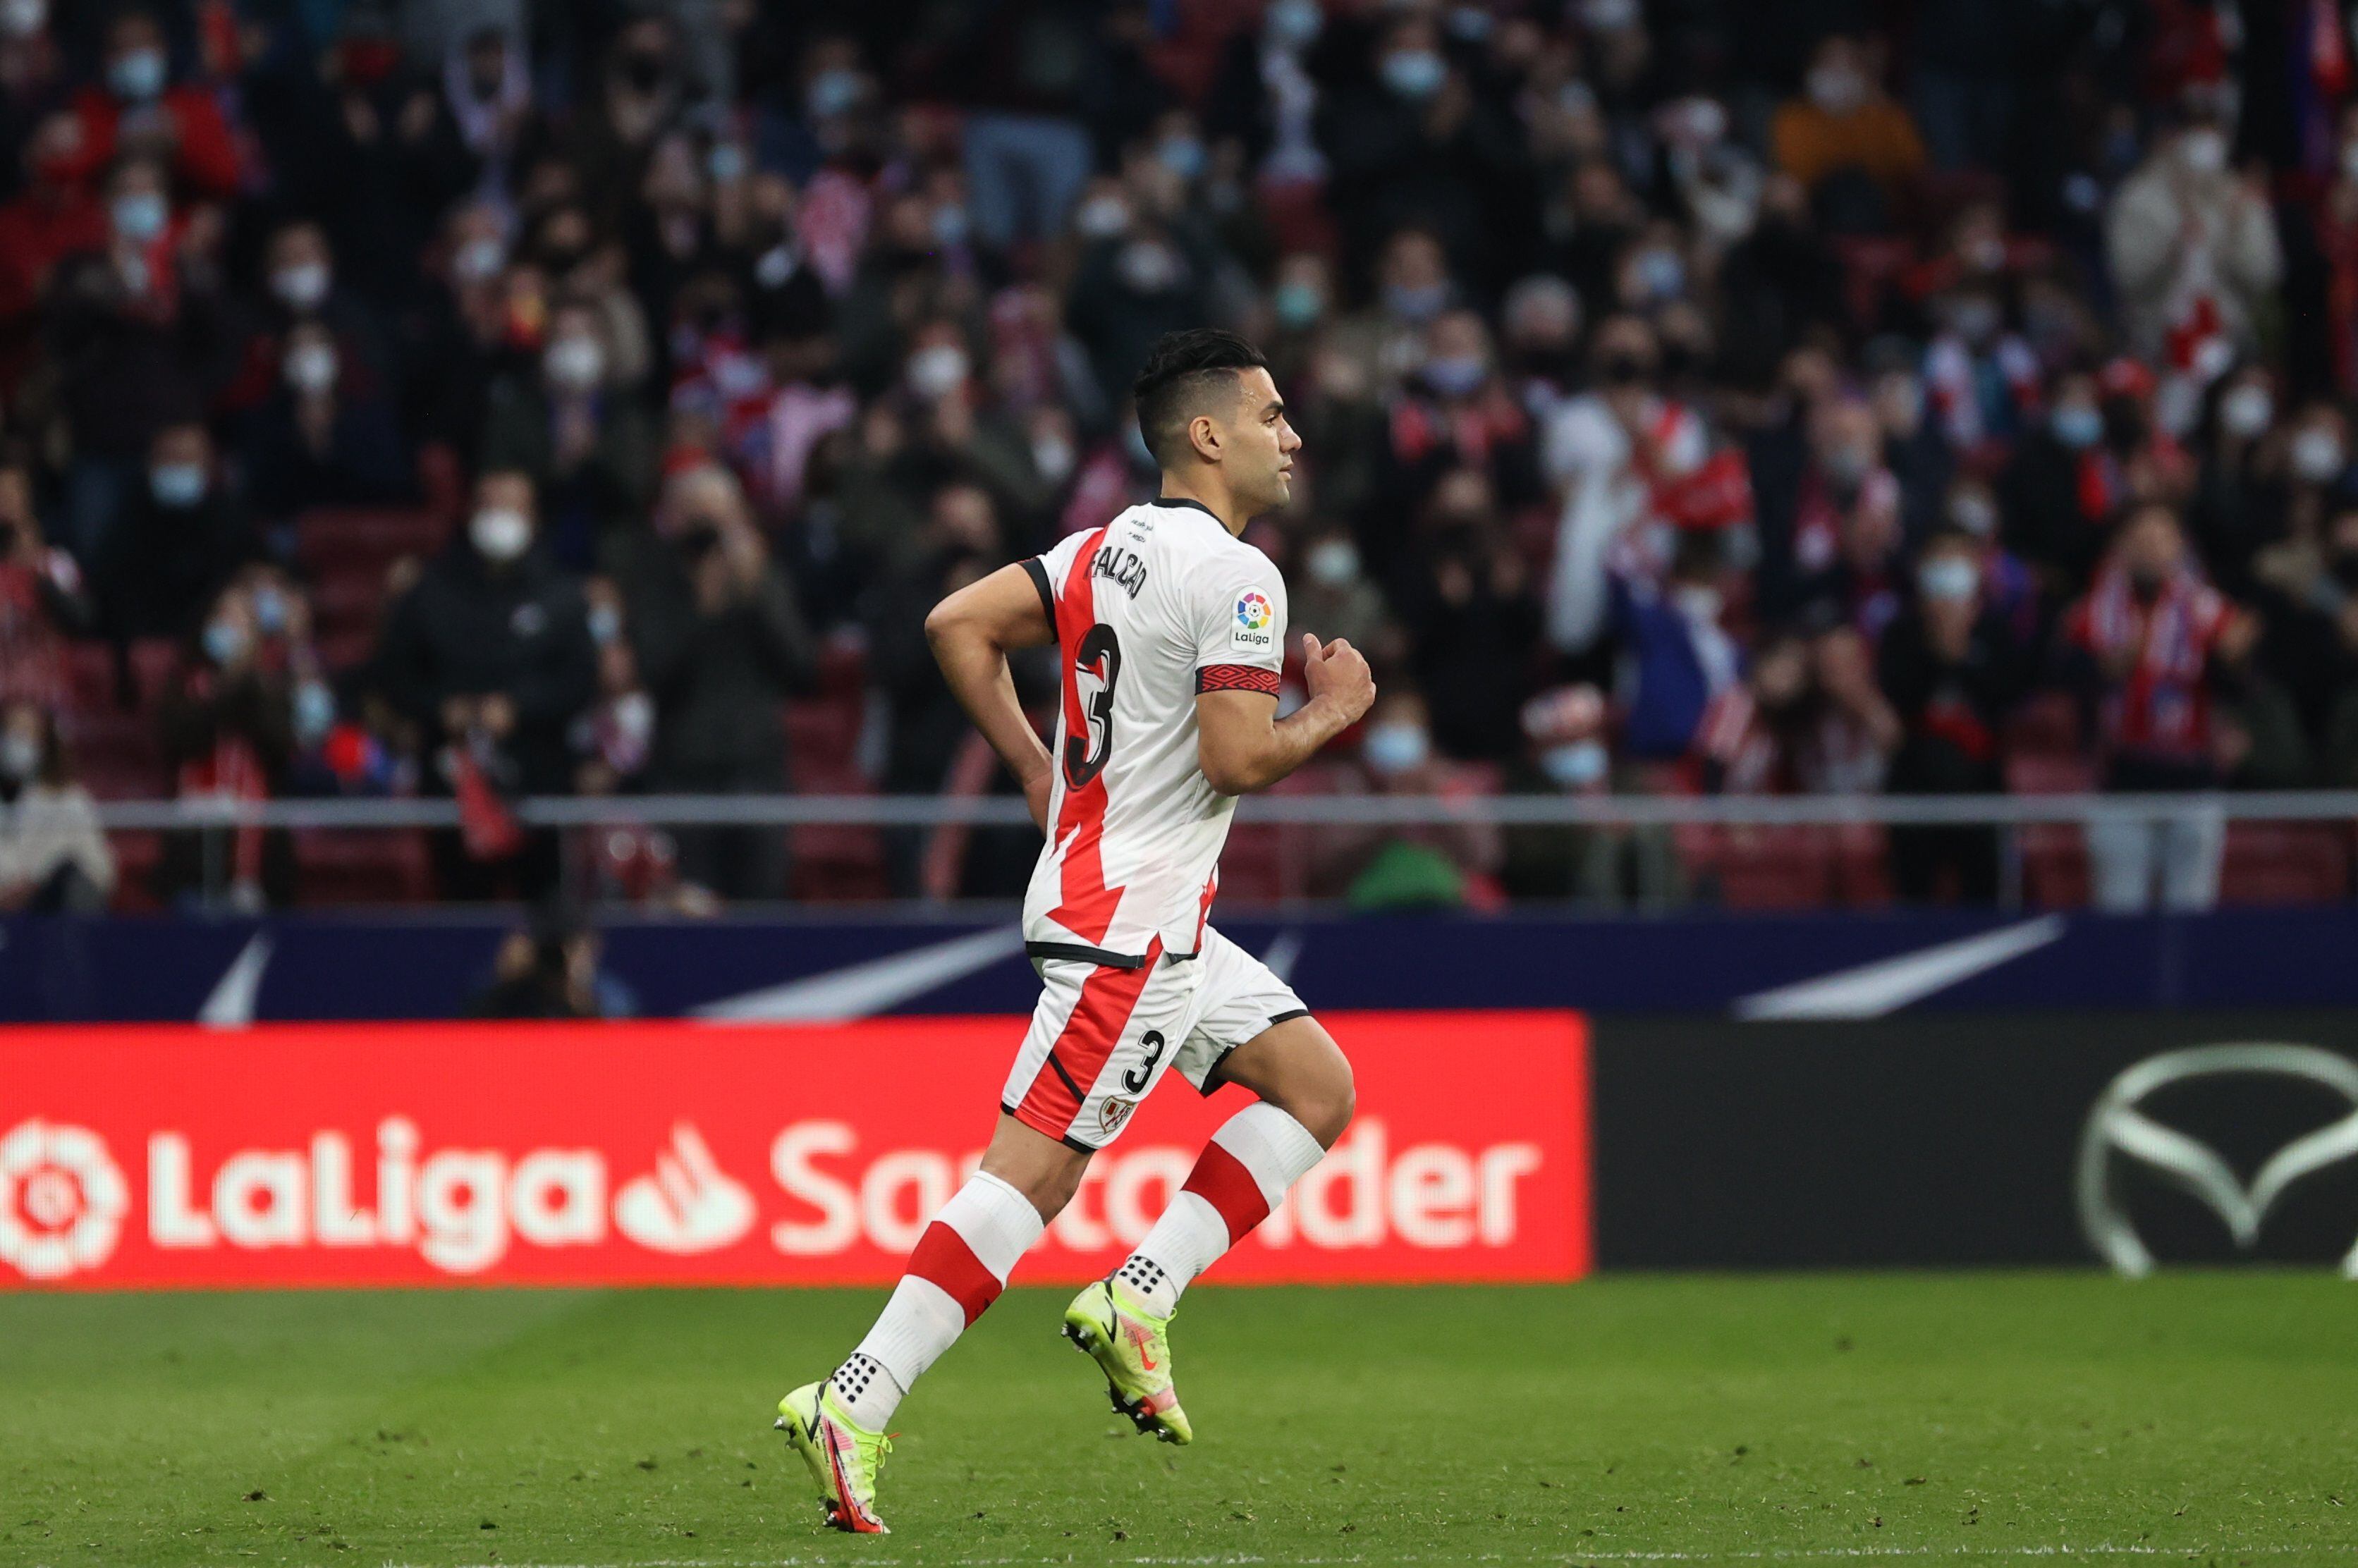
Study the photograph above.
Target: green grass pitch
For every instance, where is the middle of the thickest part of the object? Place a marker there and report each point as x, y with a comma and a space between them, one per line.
1969, 1417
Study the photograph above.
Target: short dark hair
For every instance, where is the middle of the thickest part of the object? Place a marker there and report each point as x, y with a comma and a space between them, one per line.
1182, 371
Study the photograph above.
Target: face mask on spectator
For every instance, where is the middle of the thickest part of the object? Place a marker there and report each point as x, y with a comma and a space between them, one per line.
225, 642
1661, 274
479, 259
177, 486
1947, 580
137, 76
311, 367
1148, 266
1575, 764
1848, 465
1414, 74
1102, 217
1293, 24
949, 226
1455, 375
1052, 457
937, 370
1415, 302
2246, 410
20, 755
315, 712
23, 18
1836, 89
831, 93
1609, 15
1699, 602
1332, 563
2349, 160
1396, 746
725, 163
2202, 151
301, 287
1974, 320
139, 216
1182, 155
2316, 456
2077, 425
605, 624
500, 532
1974, 513
1298, 304
269, 611
630, 729
576, 363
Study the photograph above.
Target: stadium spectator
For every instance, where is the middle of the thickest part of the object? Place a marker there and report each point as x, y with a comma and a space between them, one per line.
1450, 865
1952, 670
41, 601
2150, 644
2193, 245
489, 654
720, 645
319, 440
53, 859
572, 426
1852, 146
180, 536
228, 731
140, 112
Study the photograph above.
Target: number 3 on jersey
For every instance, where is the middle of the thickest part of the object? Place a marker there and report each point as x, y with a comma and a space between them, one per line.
1096, 666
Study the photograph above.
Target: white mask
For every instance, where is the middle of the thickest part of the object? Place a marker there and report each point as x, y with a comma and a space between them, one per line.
576, 363
1575, 764
1102, 217
2246, 410
2316, 456
500, 532
23, 18
1053, 457
1396, 747
20, 756
937, 370
311, 367
479, 259
1333, 562
301, 287
1697, 602
1836, 89
2349, 160
1948, 580
2202, 150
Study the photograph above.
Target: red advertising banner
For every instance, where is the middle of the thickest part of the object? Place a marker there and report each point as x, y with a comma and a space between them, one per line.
685, 1153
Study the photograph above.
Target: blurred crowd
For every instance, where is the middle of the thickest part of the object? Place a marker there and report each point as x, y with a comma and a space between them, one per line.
1929, 396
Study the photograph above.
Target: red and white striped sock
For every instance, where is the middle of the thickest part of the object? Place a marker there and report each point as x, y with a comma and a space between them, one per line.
959, 1267
1241, 1174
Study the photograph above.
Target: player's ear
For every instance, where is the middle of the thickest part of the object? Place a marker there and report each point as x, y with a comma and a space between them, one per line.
1204, 434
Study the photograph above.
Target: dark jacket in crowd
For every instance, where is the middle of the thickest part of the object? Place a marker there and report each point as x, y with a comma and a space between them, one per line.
467, 630
159, 568
718, 680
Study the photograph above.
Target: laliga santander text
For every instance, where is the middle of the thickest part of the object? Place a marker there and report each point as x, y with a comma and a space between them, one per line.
696, 1153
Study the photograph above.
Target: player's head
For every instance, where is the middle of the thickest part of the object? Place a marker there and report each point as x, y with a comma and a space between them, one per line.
1205, 402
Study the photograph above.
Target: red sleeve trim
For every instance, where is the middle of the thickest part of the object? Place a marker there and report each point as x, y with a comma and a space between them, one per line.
1236, 677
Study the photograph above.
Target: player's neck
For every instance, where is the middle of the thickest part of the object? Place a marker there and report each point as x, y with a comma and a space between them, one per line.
1213, 499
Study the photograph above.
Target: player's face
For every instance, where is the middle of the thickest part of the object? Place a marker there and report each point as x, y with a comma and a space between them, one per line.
1262, 457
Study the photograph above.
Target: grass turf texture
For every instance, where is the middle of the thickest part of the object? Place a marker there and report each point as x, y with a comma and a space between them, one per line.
1915, 1417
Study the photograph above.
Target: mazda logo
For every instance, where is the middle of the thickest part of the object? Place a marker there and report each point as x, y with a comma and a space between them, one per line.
2117, 1124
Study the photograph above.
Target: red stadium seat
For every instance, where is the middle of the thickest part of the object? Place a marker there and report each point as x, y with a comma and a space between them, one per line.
116, 754
2046, 725
90, 675
2284, 863
332, 541
1775, 868
355, 866
137, 856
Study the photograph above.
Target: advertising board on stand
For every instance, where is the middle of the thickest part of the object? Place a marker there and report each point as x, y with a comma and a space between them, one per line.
645, 1153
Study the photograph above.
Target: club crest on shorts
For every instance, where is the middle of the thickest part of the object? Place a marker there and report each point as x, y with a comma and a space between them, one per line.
1114, 1112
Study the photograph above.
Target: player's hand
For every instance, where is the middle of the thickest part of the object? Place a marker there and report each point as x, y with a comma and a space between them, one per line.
1036, 796
1338, 674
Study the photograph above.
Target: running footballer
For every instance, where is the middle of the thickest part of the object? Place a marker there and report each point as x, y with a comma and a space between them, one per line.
1170, 632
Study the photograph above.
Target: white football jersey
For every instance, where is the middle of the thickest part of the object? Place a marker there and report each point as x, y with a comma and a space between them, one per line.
1160, 604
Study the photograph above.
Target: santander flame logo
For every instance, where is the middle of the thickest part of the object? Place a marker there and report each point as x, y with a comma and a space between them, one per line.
62, 1200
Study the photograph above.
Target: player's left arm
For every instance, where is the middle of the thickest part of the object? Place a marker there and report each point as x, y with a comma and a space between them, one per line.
972, 632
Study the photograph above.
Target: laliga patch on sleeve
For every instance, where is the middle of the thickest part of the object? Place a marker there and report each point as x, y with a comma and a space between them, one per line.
1254, 629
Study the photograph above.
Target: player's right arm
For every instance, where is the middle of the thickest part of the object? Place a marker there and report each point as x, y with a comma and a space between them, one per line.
972, 632
1242, 744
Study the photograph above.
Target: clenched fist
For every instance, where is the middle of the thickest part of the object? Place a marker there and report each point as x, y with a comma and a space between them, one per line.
1338, 674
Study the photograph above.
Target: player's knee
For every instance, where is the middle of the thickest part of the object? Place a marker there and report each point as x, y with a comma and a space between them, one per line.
1325, 1104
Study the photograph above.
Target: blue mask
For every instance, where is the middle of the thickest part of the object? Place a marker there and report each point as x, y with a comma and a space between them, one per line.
1182, 155
139, 216
1455, 375
224, 642
315, 712
1415, 74
1575, 764
137, 76
1395, 748
2078, 426
1293, 23
177, 486
1298, 304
